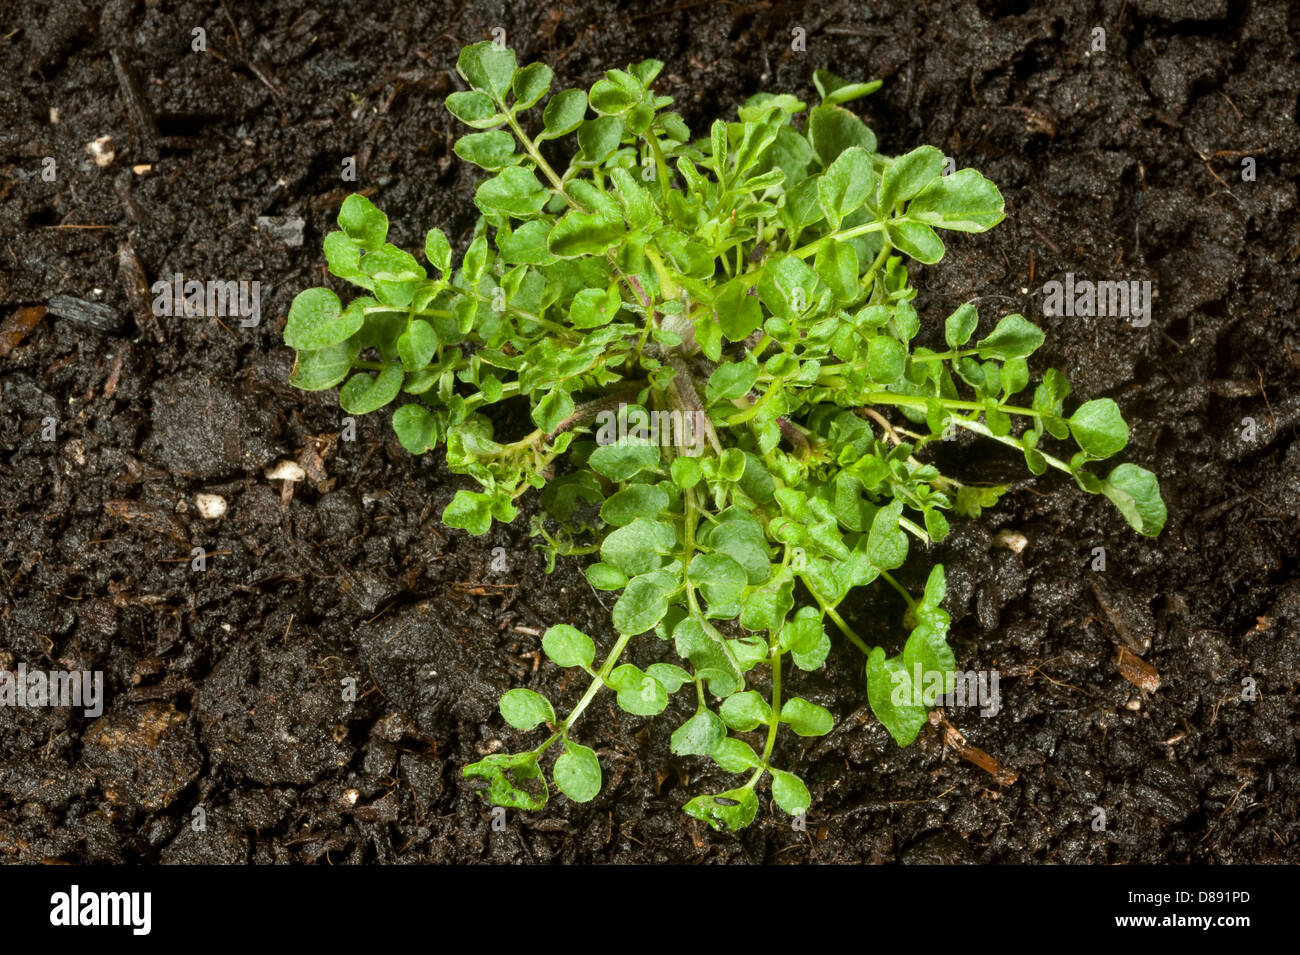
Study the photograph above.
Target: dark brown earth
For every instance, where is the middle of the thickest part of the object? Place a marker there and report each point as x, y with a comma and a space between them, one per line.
225, 685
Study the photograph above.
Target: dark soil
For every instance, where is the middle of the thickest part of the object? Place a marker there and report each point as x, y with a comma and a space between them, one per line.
224, 686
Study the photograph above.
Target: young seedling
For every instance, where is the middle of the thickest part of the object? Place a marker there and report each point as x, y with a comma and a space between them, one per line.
709, 336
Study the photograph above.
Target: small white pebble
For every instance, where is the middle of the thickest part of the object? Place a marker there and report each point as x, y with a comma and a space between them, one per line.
1013, 541
211, 506
1134, 704
54, 116
350, 797
101, 150
141, 169
286, 470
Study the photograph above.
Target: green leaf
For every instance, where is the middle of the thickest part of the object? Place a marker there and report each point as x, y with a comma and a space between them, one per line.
731, 380
1099, 428
964, 201
936, 525
598, 138
643, 602
417, 345
594, 307
833, 129
805, 633
890, 693
833, 89
492, 150
637, 500
563, 114
636, 548
734, 809
318, 320
1049, 400
582, 233
699, 736
343, 256
719, 578
686, 472
638, 693
470, 511
509, 777
745, 711
438, 250
567, 646
887, 542
1014, 337
530, 84
807, 719
908, 175
788, 287
552, 410
700, 642
960, 325
741, 538
625, 459
324, 368
487, 68
416, 428
524, 709
363, 394
1136, 492
526, 245
363, 222
886, 359
605, 577
514, 191
917, 240
735, 756
672, 677
577, 772
474, 109
790, 792
837, 265
846, 184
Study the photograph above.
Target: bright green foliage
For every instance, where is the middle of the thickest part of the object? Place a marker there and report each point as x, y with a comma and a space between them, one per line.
709, 336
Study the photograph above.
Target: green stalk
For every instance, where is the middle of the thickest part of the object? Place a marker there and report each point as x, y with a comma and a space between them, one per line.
979, 428
773, 723
597, 682
804, 251
838, 620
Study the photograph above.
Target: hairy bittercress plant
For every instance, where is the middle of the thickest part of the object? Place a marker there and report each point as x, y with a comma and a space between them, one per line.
747, 293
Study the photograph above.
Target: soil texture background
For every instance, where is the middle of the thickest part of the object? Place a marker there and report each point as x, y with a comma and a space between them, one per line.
223, 685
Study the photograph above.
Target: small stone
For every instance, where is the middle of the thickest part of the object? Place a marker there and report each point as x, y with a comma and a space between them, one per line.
286, 470
1013, 541
101, 150
211, 506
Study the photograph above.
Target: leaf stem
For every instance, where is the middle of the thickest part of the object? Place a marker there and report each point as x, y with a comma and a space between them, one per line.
889, 578
597, 682
773, 722
804, 251
979, 428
